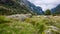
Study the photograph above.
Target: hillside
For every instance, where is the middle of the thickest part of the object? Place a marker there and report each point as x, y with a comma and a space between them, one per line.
56, 10
8, 7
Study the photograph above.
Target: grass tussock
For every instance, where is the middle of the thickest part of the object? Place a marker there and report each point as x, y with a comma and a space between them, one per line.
34, 25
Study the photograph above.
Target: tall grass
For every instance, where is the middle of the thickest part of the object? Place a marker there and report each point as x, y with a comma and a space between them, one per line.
42, 24
34, 25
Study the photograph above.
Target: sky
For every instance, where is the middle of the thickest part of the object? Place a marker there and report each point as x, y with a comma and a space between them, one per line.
45, 4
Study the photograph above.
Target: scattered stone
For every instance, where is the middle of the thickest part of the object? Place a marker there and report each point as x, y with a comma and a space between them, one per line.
20, 17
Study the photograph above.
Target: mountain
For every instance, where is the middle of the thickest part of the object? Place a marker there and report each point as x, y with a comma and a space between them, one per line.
35, 9
56, 10
8, 7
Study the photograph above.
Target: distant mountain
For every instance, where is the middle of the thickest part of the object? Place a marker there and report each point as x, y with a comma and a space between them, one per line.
35, 9
56, 10
8, 7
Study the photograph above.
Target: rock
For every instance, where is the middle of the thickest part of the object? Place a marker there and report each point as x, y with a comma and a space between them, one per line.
50, 29
20, 17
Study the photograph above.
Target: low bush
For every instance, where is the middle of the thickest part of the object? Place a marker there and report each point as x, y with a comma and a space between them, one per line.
3, 19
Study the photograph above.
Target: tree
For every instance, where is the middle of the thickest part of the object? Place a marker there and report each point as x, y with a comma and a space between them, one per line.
47, 12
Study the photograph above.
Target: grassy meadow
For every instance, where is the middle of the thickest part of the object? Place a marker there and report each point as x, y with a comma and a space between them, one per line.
34, 25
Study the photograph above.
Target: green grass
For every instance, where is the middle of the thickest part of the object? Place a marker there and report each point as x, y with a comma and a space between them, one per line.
3, 19
34, 25
42, 23
17, 28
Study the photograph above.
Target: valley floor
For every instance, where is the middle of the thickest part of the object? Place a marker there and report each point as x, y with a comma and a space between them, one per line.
27, 24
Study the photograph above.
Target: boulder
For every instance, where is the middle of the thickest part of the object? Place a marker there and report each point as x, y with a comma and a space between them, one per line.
20, 17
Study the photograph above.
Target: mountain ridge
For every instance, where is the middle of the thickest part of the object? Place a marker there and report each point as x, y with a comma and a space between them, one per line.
17, 7
56, 10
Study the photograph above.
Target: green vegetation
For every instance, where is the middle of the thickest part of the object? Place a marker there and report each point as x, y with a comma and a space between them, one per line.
47, 12
56, 13
3, 19
38, 24
15, 27
8, 7
34, 25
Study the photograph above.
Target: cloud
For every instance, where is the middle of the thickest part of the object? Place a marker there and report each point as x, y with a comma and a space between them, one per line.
46, 4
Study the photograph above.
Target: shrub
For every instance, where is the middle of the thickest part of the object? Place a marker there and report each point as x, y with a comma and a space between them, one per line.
3, 19
48, 12
27, 20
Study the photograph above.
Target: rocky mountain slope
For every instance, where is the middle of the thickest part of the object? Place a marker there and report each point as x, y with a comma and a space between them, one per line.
56, 10
8, 7
35, 9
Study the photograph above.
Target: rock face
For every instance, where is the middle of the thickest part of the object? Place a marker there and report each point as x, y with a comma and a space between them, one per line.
18, 7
